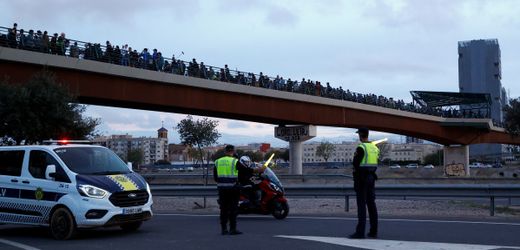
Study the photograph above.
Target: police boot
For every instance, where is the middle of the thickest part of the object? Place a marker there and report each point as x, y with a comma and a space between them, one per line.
372, 234
233, 230
224, 230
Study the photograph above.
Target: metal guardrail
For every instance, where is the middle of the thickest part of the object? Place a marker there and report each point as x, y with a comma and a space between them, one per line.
490, 191
176, 176
282, 176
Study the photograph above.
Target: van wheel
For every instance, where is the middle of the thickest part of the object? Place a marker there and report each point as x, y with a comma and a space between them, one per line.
62, 224
132, 226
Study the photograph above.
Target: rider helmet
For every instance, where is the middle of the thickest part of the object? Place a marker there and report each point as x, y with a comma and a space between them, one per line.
246, 161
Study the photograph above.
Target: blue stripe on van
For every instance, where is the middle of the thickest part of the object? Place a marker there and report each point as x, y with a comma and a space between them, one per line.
29, 194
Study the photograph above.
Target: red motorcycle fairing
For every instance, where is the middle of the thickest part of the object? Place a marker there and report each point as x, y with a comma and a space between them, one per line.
281, 199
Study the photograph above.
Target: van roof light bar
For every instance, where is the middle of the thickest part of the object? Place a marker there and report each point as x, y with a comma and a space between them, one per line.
65, 142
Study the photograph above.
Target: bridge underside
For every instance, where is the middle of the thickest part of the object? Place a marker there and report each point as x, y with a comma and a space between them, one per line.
127, 92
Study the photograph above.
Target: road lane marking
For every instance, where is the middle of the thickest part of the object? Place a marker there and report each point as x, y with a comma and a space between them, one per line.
352, 219
18, 245
412, 220
394, 244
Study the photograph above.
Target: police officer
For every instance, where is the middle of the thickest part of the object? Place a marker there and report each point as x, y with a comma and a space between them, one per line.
226, 176
364, 173
244, 178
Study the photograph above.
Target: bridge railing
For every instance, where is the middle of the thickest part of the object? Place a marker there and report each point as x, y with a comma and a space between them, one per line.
412, 190
95, 51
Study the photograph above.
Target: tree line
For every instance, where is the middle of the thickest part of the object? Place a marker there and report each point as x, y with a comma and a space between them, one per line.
41, 109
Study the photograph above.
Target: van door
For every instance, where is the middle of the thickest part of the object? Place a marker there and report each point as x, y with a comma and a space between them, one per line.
11, 207
39, 193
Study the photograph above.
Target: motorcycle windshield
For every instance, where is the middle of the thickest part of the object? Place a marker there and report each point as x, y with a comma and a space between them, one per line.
269, 174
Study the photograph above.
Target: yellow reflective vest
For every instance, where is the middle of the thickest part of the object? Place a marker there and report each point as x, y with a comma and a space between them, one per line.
371, 155
227, 172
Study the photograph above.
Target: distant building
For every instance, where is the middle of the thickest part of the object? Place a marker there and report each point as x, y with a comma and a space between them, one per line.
344, 152
178, 153
410, 139
254, 147
411, 151
154, 149
480, 71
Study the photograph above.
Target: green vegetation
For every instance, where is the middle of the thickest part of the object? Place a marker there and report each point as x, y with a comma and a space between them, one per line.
278, 154
198, 134
135, 156
512, 117
325, 150
436, 159
40, 110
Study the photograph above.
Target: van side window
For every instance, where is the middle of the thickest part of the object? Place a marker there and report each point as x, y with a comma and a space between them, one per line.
11, 162
38, 162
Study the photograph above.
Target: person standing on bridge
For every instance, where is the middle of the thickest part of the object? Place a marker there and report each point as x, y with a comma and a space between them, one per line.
364, 173
225, 173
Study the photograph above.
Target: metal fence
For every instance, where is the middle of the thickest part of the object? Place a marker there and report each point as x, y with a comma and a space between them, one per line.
490, 191
177, 176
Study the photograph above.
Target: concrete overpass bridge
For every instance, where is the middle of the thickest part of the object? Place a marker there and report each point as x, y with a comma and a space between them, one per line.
106, 84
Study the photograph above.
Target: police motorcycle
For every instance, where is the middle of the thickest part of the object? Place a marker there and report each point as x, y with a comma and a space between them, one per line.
264, 195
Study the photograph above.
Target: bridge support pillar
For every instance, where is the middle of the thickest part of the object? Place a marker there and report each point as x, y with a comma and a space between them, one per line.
456, 160
295, 135
295, 157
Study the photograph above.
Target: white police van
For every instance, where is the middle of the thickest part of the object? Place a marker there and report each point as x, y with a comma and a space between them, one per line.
66, 187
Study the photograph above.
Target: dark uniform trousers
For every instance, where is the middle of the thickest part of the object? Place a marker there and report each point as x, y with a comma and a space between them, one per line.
364, 185
228, 199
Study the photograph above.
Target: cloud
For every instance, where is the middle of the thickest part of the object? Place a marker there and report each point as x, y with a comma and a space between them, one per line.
118, 119
273, 13
385, 67
97, 12
246, 139
125, 127
237, 124
279, 15
438, 15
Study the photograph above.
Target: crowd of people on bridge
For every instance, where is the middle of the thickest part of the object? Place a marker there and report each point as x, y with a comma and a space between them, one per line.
154, 60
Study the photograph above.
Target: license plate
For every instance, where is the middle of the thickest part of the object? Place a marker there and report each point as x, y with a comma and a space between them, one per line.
132, 210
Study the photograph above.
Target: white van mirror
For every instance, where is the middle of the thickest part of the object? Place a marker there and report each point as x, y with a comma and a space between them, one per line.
50, 172
129, 164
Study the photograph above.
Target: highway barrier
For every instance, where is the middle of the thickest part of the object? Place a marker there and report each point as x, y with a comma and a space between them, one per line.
490, 191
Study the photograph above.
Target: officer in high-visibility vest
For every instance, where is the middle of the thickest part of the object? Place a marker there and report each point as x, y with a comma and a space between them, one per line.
226, 176
365, 165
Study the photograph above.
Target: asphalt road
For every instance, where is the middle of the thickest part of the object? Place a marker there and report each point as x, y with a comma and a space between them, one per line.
191, 231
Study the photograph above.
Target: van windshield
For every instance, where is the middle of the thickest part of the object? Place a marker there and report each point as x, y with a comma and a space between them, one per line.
92, 160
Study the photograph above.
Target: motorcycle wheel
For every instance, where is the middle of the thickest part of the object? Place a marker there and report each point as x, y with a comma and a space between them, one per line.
280, 210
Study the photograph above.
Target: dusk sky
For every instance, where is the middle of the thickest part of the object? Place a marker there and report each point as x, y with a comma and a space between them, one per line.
367, 46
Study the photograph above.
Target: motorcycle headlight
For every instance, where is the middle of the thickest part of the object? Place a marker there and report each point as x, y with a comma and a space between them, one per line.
92, 192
